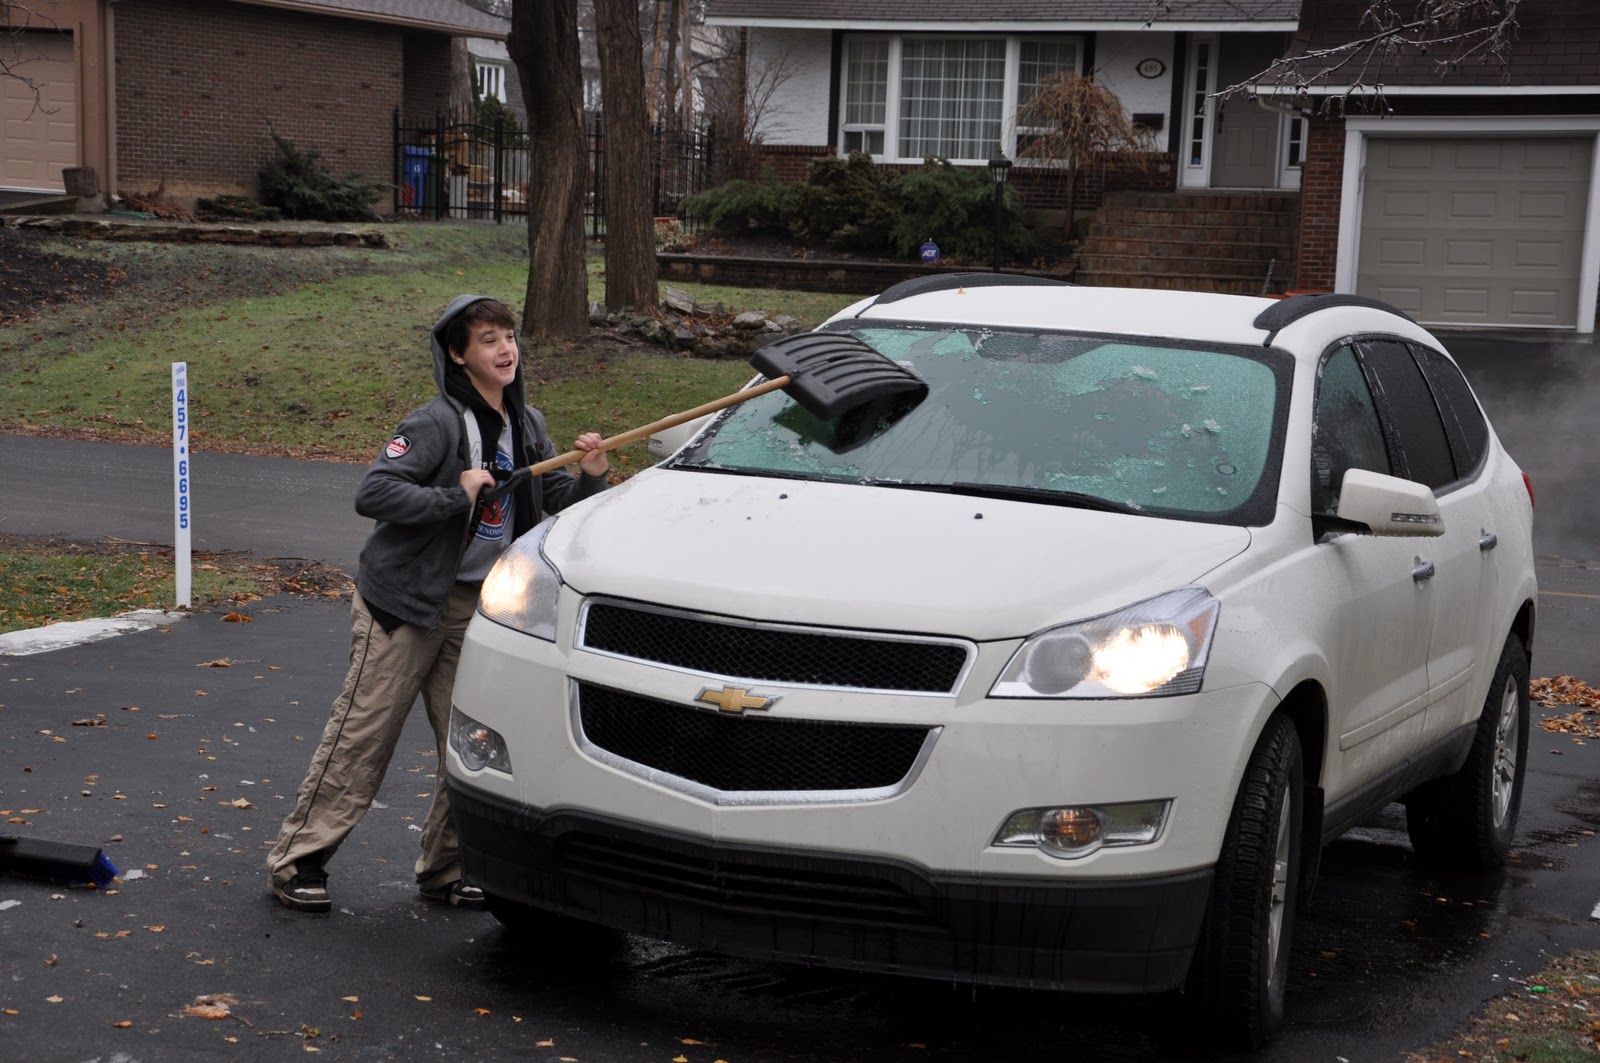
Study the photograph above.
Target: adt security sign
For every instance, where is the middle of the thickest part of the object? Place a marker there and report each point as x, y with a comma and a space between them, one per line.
930, 253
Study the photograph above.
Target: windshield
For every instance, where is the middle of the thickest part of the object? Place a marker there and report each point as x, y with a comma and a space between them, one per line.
1185, 431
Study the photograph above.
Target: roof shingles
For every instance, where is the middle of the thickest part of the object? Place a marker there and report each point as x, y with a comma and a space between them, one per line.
445, 16
1557, 43
1133, 12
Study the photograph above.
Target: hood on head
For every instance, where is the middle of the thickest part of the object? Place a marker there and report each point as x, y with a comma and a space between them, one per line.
451, 379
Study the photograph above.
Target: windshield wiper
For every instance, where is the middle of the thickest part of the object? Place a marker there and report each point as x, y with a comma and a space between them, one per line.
1074, 499
732, 470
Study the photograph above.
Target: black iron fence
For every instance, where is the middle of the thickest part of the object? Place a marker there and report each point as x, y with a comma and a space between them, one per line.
458, 167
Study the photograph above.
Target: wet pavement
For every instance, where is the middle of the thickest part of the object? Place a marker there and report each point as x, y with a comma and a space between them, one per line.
142, 745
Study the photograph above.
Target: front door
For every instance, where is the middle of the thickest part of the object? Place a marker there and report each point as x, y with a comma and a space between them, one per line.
1244, 153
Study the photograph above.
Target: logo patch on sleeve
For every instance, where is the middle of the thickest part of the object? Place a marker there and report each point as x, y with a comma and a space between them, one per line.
397, 447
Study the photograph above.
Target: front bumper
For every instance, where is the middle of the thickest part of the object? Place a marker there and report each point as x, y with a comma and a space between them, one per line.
1103, 935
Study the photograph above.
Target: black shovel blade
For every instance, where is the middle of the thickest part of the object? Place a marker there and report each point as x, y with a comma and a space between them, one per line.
832, 373
56, 861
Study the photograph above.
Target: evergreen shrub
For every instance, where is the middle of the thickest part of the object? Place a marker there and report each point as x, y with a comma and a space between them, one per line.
301, 187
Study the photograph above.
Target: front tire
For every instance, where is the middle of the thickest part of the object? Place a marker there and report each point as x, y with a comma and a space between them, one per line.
1468, 819
1235, 989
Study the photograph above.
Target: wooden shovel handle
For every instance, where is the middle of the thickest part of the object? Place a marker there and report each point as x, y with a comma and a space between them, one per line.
633, 435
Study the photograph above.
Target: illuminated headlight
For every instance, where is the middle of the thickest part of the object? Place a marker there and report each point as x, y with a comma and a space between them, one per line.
1074, 831
1154, 648
523, 589
478, 745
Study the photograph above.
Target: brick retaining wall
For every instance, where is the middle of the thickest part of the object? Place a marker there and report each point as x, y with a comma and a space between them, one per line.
798, 274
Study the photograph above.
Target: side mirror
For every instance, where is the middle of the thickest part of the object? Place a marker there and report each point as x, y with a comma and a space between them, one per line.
1388, 505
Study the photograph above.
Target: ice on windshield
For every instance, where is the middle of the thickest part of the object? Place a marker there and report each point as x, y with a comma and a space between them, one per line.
1162, 428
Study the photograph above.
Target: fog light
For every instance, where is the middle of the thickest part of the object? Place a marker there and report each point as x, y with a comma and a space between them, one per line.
478, 745
1074, 831
1071, 830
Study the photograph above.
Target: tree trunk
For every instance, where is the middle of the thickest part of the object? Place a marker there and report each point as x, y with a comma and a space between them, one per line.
544, 46
463, 77
668, 117
630, 235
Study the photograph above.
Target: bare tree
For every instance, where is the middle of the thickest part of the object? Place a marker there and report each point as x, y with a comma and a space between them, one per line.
741, 92
630, 237
1072, 121
544, 47
1445, 35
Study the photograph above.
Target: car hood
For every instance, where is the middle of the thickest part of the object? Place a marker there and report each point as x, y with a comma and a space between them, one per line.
873, 558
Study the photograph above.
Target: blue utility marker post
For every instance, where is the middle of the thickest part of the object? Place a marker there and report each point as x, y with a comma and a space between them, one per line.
182, 512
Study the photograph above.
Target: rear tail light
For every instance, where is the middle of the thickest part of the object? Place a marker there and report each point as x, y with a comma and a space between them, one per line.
1529, 485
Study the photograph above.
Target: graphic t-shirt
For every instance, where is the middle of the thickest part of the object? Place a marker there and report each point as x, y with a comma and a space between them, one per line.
494, 530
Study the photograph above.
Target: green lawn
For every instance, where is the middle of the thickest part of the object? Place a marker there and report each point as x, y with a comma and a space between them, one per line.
320, 351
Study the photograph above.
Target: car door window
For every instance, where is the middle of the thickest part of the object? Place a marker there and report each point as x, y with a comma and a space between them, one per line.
1411, 417
1346, 433
1464, 426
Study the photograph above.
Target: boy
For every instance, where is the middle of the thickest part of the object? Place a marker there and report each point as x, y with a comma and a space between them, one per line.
418, 587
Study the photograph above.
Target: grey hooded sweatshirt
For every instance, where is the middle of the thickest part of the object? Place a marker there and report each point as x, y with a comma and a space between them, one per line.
413, 489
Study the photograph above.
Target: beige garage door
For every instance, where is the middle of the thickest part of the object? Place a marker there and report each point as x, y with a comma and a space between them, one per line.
40, 141
1475, 230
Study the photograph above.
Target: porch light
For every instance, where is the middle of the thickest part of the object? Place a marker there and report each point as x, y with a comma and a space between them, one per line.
999, 170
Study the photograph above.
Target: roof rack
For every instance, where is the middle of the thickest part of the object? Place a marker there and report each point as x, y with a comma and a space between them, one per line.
1291, 309
943, 282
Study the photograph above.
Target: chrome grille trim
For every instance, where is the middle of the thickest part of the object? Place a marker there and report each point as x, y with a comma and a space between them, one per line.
739, 798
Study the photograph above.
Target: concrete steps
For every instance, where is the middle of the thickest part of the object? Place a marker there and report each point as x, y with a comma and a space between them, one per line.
1201, 241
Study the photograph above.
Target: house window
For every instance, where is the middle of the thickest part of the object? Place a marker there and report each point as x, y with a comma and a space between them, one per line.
1038, 61
491, 81
906, 98
1202, 81
866, 72
1297, 141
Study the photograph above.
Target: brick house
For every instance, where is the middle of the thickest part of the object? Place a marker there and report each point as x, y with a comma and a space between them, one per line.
184, 91
1472, 201
905, 79
1470, 197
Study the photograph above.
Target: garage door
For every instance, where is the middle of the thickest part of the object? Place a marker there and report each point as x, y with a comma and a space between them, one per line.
39, 142
1481, 231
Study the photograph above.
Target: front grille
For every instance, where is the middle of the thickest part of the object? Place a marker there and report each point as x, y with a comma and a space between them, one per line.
773, 654
742, 884
744, 753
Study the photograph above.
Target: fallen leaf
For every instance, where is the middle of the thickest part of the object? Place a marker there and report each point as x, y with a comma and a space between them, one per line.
220, 662
689, 1041
237, 618
10, 1011
544, 1044
481, 1011
155, 929
240, 803
350, 999
424, 998
123, 1025
54, 1000
32, 811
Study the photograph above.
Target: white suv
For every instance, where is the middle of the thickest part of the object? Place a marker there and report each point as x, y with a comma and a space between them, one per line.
1062, 679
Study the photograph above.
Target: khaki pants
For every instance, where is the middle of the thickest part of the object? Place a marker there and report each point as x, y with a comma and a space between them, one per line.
387, 672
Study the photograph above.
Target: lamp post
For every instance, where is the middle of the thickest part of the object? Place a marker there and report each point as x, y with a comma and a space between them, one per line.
999, 170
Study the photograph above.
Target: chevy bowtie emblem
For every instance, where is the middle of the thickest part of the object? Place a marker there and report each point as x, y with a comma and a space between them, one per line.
734, 699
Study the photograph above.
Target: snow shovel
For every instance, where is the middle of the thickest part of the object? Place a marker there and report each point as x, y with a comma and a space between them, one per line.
61, 862
830, 374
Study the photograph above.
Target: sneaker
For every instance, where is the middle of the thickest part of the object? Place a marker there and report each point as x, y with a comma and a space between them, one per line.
458, 894
306, 892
